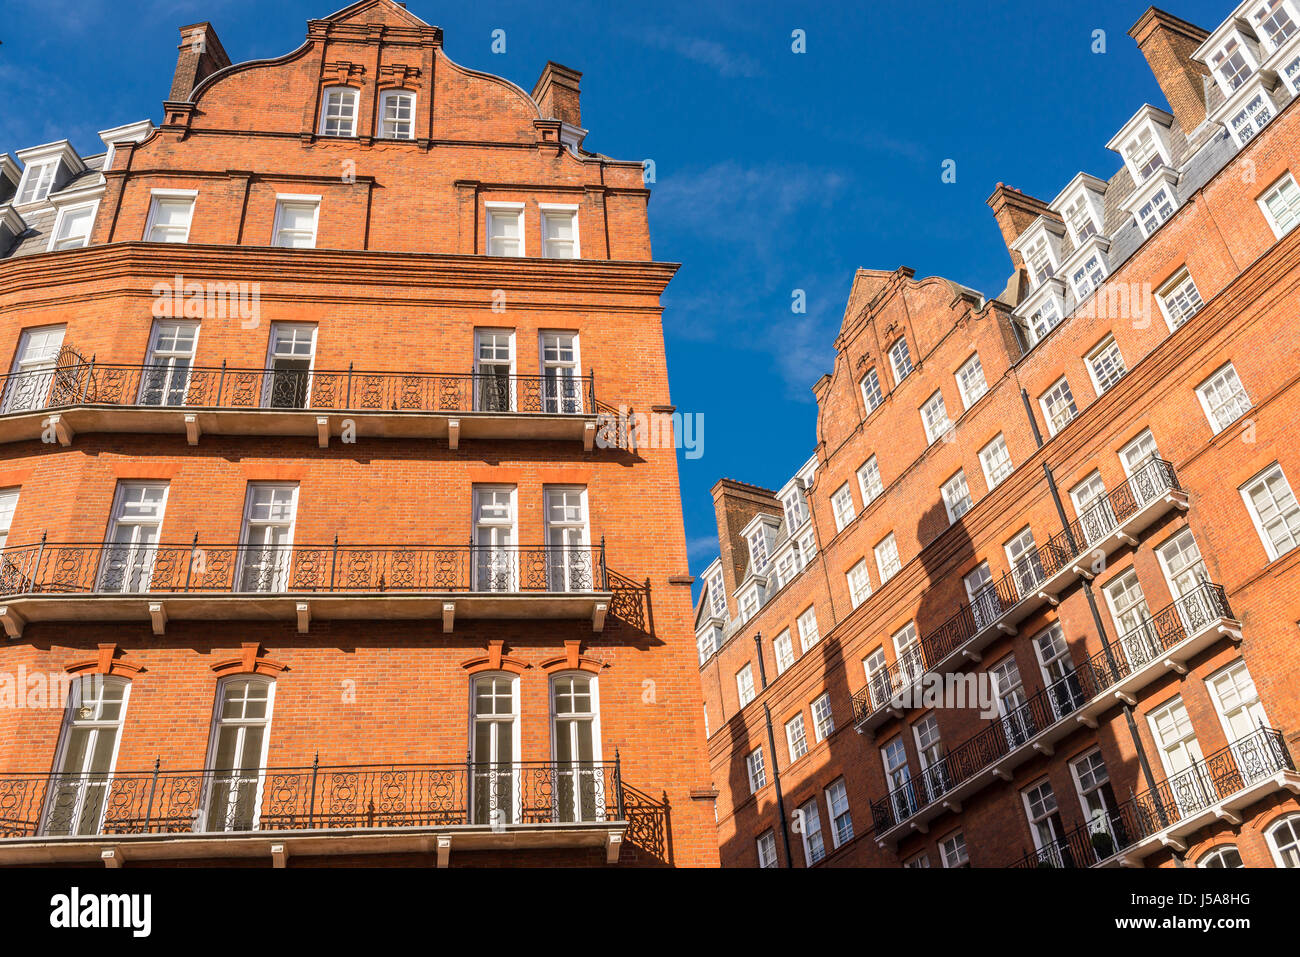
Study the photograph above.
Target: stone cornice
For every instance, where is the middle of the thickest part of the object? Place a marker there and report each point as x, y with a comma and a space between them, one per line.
277, 267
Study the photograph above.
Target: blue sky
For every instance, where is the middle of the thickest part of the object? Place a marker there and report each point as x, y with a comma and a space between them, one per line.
775, 171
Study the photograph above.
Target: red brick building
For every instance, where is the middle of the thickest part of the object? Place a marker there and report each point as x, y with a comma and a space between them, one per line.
321, 543
1074, 504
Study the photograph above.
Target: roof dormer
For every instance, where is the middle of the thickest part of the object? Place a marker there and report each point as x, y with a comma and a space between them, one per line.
1081, 206
1144, 143
1232, 52
11, 227
10, 176
1041, 311
1040, 246
1274, 22
45, 169
136, 132
760, 537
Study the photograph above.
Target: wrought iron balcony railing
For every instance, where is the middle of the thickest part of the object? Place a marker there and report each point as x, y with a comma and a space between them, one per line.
1000, 737
1154, 478
111, 569
1150, 480
315, 797
1247, 761
183, 386
1155, 636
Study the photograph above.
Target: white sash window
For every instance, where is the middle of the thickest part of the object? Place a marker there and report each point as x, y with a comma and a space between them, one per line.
240, 735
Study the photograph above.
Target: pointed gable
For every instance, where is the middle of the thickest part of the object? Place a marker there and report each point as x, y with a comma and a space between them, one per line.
378, 12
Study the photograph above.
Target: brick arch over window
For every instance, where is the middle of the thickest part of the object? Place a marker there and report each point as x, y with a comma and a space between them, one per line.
106, 662
573, 660
495, 660
251, 661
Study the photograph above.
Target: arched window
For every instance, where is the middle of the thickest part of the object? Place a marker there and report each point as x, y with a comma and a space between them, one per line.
397, 115
241, 729
1284, 839
87, 754
581, 782
494, 748
338, 111
1225, 855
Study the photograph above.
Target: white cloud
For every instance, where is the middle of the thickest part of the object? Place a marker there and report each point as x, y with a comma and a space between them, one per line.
708, 53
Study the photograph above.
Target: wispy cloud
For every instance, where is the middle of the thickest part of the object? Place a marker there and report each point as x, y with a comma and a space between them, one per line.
754, 222
709, 53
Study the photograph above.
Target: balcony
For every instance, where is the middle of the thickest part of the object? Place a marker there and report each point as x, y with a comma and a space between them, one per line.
991, 754
278, 813
197, 581
1219, 787
85, 396
1035, 581
1164, 642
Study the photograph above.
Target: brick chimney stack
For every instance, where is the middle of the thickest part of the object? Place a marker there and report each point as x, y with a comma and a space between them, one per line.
557, 94
1168, 43
1014, 211
199, 55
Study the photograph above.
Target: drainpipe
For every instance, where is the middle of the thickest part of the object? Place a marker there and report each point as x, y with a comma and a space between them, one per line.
776, 780
758, 650
1033, 423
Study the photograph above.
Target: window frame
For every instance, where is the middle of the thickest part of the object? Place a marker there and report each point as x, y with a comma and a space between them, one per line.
842, 507
974, 364
1287, 178
384, 99
1053, 427
285, 200
949, 505
65, 210
549, 210
1261, 477
209, 761
324, 111
157, 198
1210, 413
989, 479
1170, 288
1108, 345
498, 208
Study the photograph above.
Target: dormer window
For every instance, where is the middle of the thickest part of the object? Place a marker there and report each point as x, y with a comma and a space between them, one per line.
795, 510
1273, 21
1079, 218
1251, 118
1038, 259
1231, 65
37, 180
397, 107
338, 116
1046, 318
1144, 154
1145, 145
1152, 214
758, 557
72, 226
1088, 277
717, 597
1082, 207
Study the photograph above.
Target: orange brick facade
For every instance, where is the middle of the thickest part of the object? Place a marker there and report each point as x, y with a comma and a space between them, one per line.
397, 283
1248, 277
